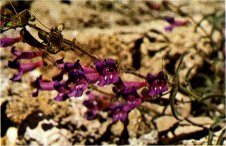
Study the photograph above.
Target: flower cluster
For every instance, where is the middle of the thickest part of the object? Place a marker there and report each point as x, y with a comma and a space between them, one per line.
127, 91
104, 72
126, 94
79, 77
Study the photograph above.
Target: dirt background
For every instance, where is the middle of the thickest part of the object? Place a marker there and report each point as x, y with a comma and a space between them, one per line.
107, 29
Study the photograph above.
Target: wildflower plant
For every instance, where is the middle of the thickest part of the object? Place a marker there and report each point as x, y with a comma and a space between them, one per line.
125, 96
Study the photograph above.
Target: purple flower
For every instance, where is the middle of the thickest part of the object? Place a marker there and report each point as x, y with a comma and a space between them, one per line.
134, 103
77, 83
127, 89
22, 68
95, 103
6, 41
157, 84
131, 96
25, 55
65, 68
108, 72
174, 23
119, 112
41, 84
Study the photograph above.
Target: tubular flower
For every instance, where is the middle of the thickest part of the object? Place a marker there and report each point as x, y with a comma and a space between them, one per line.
131, 96
65, 67
41, 84
77, 83
157, 84
108, 72
63, 91
25, 55
95, 103
7, 41
119, 112
129, 93
73, 87
22, 68
174, 23
126, 88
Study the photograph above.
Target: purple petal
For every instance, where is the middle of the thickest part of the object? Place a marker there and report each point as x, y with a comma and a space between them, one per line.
170, 19
25, 55
157, 84
41, 84
88, 69
100, 65
108, 72
61, 87
91, 114
92, 77
180, 23
108, 79
68, 66
78, 90
17, 77
26, 67
6, 41
136, 85
169, 28
61, 97
133, 104
46, 85
119, 112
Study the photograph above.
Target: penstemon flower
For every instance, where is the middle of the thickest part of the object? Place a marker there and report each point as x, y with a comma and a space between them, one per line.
25, 55
95, 103
23, 68
157, 84
41, 84
108, 72
174, 23
7, 41
119, 112
77, 83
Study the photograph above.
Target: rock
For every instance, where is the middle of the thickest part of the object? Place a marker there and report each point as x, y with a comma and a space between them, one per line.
135, 142
204, 121
11, 136
150, 138
165, 123
134, 119
203, 141
47, 133
187, 129
117, 128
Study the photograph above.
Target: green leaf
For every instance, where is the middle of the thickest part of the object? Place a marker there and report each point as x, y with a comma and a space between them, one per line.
174, 91
213, 127
210, 137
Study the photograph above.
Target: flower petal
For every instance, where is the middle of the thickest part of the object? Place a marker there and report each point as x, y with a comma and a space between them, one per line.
7, 41
25, 55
